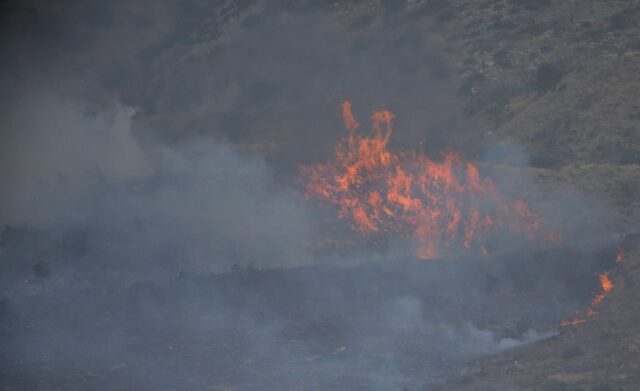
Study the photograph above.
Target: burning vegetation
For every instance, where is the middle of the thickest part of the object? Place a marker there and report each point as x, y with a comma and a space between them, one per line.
606, 285
446, 205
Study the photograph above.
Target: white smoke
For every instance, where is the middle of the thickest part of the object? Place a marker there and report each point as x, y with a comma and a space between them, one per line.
201, 203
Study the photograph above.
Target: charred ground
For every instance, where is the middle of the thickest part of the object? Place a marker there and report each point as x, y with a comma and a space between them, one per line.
405, 323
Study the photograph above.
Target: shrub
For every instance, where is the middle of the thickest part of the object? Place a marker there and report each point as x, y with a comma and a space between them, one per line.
622, 20
469, 82
501, 58
547, 77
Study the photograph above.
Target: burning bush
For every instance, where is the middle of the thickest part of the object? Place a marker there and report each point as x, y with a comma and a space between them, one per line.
445, 204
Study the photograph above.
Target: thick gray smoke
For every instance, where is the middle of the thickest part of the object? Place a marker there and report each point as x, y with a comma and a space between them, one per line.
148, 147
123, 204
97, 208
268, 76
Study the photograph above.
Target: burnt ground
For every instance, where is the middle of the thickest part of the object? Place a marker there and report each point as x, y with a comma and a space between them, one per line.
379, 325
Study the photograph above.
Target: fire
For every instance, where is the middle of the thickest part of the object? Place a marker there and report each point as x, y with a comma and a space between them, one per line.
446, 205
573, 322
606, 285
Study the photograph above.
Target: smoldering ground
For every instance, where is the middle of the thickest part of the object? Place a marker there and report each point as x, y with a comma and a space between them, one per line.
146, 151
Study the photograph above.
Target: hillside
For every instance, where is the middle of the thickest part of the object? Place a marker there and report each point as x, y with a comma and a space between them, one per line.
601, 354
559, 77
152, 152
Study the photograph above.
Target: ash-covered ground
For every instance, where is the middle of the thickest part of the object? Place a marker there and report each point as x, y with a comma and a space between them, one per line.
398, 324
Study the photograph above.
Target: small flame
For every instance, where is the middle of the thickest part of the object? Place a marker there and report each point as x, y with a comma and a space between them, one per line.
619, 255
556, 237
573, 322
445, 204
606, 285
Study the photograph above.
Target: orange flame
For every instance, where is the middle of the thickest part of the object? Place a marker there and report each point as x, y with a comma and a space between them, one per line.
573, 322
606, 285
445, 204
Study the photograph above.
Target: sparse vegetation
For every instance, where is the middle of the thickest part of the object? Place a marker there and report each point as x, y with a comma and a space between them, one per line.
469, 82
547, 77
606, 387
501, 58
572, 352
624, 19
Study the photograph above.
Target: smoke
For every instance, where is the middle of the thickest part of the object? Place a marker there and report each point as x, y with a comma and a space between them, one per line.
576, 215
133, 232
267, 76
146, 149
198, 205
